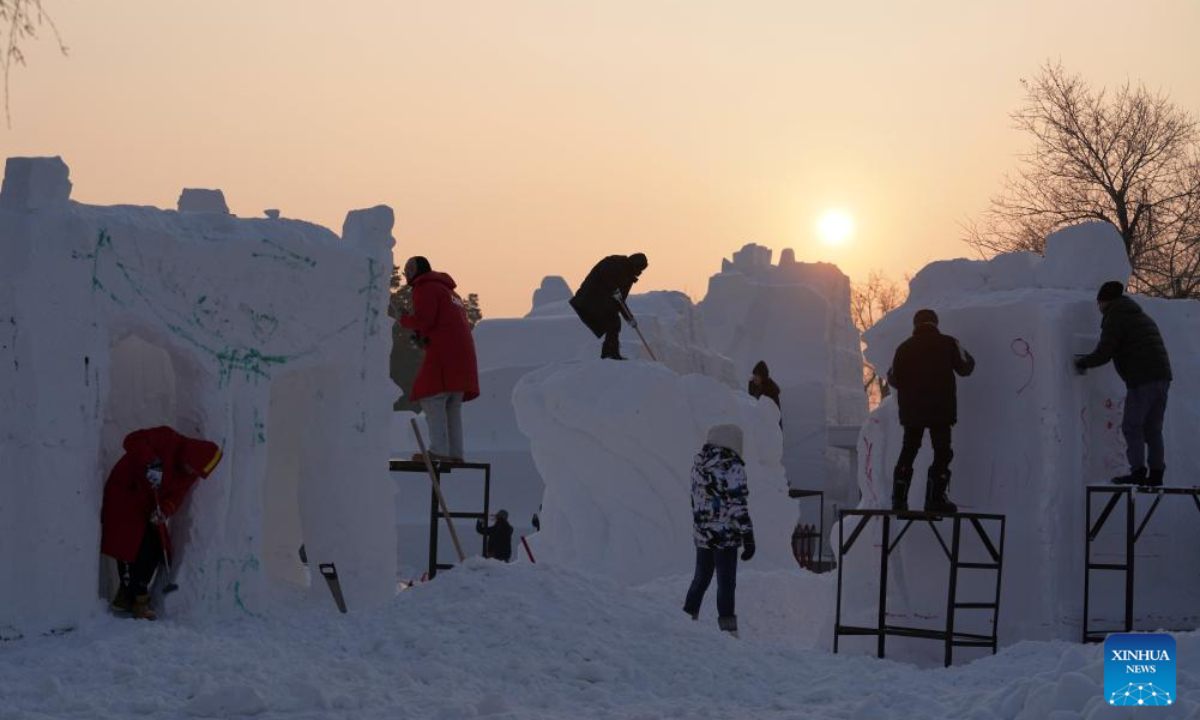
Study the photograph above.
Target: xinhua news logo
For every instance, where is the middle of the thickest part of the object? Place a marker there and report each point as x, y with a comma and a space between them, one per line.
1139, 669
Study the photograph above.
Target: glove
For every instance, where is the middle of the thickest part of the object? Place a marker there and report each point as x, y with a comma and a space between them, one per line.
154, 474
747, 548
632, 322
1080, 366
157, 517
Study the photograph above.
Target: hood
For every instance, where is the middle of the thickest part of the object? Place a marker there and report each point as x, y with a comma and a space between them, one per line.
926, 329
433, 276
726, 436
761, 370
200, 455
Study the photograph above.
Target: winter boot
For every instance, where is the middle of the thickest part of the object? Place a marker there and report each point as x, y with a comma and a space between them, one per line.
142, 609
692, 615
728, 624
901, 480
123, 602
1155, 478
936, 500
1136, 476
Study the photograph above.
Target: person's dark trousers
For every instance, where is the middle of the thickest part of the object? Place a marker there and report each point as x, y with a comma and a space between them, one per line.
1142, 424
136, 576
940, 438
612, 337
724, 563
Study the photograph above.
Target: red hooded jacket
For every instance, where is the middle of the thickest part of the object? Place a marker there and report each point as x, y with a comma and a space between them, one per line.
129, 499
439, 315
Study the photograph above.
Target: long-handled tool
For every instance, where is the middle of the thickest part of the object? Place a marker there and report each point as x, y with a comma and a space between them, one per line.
633, 323
164, 540
437, 490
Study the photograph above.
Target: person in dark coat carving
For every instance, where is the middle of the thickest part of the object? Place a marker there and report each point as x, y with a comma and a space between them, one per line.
761, 385
1131, 339
498, 543
146, 487
449, 375
922, 373
596, 300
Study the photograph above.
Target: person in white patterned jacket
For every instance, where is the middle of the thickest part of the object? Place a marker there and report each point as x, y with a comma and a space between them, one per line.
721, 522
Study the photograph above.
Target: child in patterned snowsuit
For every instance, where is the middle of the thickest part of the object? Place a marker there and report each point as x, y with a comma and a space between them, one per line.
721, 522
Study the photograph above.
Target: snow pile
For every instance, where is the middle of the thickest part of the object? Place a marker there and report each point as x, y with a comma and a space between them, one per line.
796, 317
507, 349
536, 642
615, 442
261, 335
1031, 435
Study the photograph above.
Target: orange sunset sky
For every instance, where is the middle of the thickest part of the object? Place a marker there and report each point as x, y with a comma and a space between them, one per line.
518, 139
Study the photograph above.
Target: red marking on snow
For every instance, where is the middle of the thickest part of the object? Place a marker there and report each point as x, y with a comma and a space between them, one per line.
1021, 349
1108, 403
527, 550
1109, 425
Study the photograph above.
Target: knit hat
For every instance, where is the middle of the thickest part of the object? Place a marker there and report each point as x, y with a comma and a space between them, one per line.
726, 436
925, 316
501, 514
639, 261
1110, 291
761, 370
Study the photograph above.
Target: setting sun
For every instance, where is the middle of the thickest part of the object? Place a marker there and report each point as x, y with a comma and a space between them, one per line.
835, 227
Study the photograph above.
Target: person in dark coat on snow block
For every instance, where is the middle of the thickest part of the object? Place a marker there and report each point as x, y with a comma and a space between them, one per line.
720, 522
146, 487
449, 375
922, 373
596, 304
498, 544
761, 385
1130, 338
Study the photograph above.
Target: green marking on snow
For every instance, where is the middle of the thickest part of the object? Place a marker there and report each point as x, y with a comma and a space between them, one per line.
288, 257
260, 430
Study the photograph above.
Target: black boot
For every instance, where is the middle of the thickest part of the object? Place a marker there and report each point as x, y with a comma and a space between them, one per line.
1155, 478
1136, 476
728, 624
901, 481
936, 500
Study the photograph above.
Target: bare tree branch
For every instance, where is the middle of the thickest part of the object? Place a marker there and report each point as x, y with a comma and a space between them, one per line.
1129, 157
21, 19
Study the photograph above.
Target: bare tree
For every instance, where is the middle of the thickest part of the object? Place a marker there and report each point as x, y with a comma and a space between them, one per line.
1129, 157
869, 302
21, 19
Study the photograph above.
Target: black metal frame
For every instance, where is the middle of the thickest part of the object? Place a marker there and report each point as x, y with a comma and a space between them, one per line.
1132, 535
441, 468
820, 495
950, 636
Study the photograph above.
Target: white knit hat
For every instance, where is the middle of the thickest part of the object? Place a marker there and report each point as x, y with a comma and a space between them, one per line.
726, 436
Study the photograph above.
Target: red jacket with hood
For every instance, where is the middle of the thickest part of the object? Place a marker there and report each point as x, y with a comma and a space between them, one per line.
129, 498
440, 316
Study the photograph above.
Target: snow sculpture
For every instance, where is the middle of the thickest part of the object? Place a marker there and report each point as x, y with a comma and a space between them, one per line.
265, 336
553, 289
796, 317
1031, 434
203, 201
614, 443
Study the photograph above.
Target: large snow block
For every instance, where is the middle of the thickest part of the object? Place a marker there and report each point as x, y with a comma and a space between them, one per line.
199, 200
35, 184
615, 442
796, 317
265, 336
1031, 435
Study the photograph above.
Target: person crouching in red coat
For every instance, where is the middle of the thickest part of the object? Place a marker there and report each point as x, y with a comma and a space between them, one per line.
448, 376
146, 486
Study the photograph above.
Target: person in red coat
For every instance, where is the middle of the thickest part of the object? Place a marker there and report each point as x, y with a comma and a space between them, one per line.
146, 486
448, 376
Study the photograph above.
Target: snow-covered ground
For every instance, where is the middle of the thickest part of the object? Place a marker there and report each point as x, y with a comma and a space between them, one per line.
538, 641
